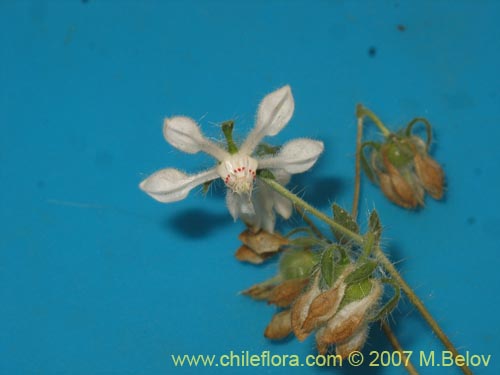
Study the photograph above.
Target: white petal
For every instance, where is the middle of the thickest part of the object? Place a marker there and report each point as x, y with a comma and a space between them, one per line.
282, 205
274, 112
232, 204
296, 156
170, 185
263, 199
183, 133
240, 206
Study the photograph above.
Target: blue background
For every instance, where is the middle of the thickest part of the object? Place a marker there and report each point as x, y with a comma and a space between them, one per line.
97, 278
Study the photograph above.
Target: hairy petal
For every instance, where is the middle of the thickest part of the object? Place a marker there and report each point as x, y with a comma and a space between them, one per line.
184, 134
274, 112
282, 205
296, 156
170, 185
240, 206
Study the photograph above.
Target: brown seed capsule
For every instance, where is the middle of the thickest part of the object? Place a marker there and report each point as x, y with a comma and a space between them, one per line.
353, 343
399, 189
280, 326
300, 308
285, 293
430, 174
245, 254
260, 291
262, 241
323, 307
349, 319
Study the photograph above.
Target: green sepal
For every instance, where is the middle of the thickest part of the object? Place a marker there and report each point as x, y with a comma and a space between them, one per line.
266, 173
391, 304
356, 292
327, 266
264, 149
305, 242
428, 130
295, 264
363, 272
300, 230
345, 219
206, 186
227, 129
398, 153
364, 162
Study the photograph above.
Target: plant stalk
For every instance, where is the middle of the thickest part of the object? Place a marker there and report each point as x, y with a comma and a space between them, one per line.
381, 257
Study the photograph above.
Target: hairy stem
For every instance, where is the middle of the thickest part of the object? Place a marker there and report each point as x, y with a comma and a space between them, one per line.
381, 257
362, 111
397, 346
391, 336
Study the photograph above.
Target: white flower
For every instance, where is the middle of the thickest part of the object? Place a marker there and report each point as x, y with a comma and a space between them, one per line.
239, 170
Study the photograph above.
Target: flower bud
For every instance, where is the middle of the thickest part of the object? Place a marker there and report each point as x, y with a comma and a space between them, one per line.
280, 326
325, 305
402, 189
353, 343
300, 308
349, 319
285, 293
431, 175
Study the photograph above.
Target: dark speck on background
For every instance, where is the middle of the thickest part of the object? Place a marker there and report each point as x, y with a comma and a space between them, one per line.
372, 51
401, 28
40, 184
471, 220
85, 1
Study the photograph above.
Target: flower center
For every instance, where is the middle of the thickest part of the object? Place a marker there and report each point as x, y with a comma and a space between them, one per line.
238, 173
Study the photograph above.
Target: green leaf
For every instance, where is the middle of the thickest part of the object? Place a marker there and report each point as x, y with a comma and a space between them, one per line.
363, 272
355, 292
391, 304
327, 265
345, 219
264, 149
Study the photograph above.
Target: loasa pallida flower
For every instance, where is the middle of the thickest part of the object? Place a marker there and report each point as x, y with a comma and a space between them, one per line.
401, 165
247, 197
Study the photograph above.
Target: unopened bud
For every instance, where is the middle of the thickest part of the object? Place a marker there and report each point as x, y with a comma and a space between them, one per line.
353, 343
280, 326
300, 308
285, 293
431, 175
405, 192
349, 319
325, 305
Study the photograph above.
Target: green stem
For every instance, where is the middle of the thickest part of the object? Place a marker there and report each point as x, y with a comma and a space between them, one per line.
362, 111
381, 257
